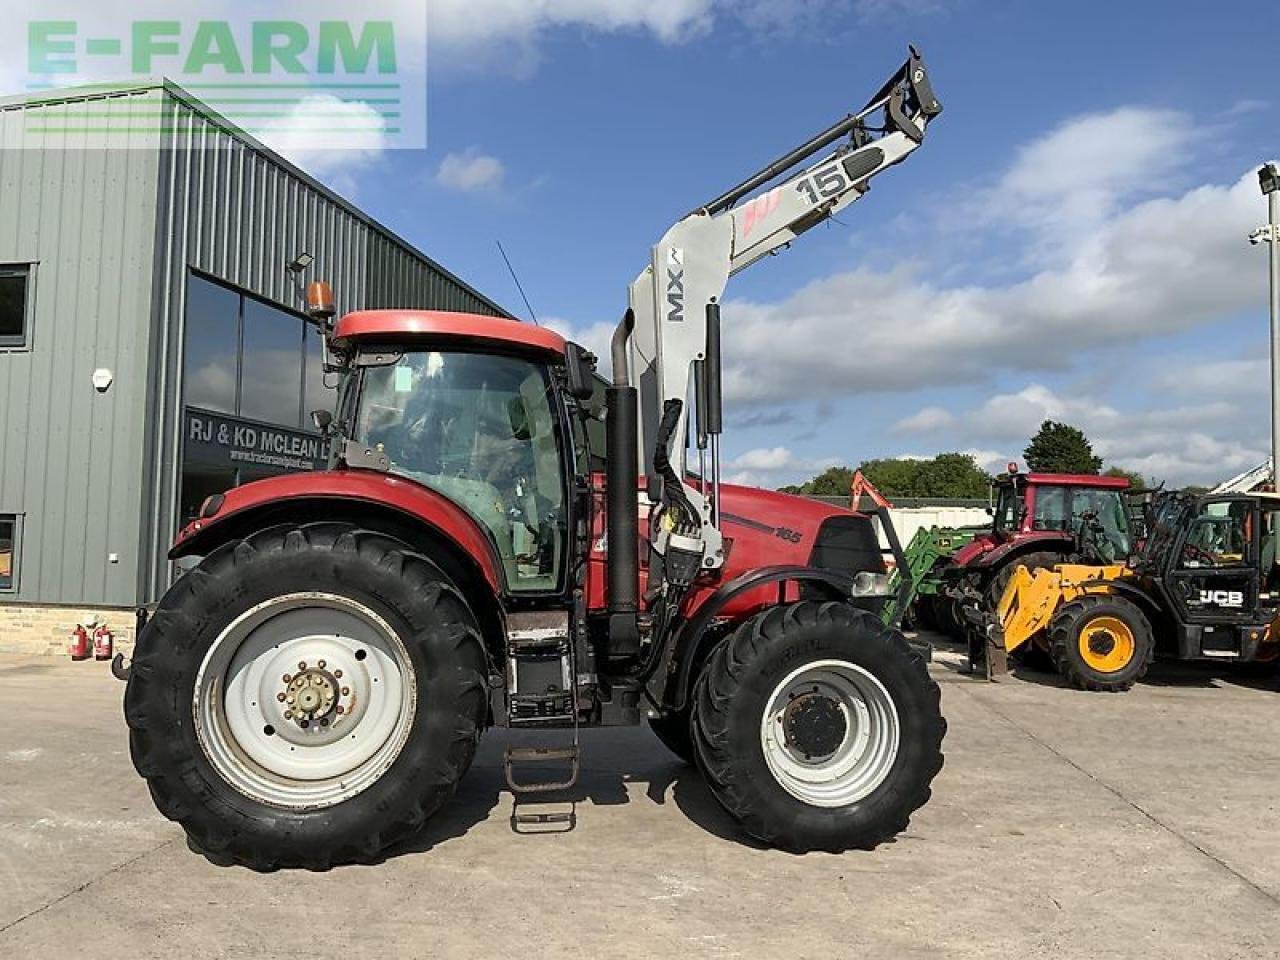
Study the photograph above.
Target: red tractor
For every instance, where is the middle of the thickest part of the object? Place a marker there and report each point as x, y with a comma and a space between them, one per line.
1036, 522
313, 690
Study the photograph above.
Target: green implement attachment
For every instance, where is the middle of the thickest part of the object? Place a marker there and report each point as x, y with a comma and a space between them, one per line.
927, 553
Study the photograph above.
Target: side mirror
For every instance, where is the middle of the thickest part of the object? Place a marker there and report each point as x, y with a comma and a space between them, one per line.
323, 420
580, 363
991, 511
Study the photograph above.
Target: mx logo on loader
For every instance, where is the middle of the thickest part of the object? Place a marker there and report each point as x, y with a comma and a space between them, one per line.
1222, 598
675, 285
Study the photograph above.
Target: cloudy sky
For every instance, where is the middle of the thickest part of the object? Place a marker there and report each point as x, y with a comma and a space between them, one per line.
1069, 243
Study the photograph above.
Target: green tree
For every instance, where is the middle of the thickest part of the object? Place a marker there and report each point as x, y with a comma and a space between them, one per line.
1061, 448
1136, 480
946, 476
832, 482
954, 476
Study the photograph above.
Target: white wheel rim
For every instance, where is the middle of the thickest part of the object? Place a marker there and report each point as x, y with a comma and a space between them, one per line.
330, 730
866, 751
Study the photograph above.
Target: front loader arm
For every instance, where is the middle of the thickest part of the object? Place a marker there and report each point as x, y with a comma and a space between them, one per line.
676, 299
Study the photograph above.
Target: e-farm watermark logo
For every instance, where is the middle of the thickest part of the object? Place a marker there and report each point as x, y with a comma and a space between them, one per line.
300, 85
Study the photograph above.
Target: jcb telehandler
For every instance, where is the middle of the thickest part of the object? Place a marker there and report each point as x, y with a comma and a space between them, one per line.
312, 691
1202, 585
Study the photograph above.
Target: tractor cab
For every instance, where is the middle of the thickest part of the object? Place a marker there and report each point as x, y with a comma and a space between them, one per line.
1026, 503
479, 423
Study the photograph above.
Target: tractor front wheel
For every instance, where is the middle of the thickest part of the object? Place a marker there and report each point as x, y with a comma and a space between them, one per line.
818, 728
1101, 643
306, 697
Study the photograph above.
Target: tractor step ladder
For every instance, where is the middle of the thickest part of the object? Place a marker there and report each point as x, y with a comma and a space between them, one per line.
541, 692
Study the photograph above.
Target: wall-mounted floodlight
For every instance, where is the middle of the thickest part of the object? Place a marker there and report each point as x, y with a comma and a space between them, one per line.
301, 262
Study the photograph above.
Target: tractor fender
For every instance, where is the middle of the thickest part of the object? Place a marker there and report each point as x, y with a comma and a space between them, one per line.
693, 640
428, 521
331, 492
1024, 544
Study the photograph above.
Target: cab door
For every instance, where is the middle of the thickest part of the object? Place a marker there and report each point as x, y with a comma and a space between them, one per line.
1215, 567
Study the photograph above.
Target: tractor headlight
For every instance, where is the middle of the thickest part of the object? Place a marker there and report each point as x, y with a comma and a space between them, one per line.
867, 584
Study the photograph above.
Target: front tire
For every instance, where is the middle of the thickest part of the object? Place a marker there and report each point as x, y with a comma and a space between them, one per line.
1101, 643
818, 728
306, 697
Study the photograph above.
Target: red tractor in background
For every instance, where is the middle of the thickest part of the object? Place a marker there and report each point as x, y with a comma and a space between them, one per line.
1036, 521
315, 687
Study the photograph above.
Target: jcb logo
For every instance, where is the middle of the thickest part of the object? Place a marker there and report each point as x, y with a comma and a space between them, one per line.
675, 285
1222, 598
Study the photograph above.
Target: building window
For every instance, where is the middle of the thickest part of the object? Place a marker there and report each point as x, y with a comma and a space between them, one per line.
15, 305
273, 355
8, 553
212, 356
251, 373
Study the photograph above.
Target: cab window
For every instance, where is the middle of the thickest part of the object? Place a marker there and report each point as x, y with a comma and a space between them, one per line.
1107, 509
1217, 536
1006, 509
1052, 509
481, 430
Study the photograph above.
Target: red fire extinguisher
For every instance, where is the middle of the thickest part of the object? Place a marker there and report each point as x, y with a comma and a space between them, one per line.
78, 643
102, 642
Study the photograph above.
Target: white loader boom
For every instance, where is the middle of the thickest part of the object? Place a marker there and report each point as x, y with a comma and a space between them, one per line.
1247, 481
675, 302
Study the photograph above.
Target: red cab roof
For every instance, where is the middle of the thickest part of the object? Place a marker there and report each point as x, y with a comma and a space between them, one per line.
440, 324
1079, 480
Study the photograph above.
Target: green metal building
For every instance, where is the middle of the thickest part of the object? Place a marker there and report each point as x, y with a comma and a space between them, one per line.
151, 348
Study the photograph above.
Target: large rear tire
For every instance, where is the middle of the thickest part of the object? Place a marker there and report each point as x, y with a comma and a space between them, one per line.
1039, 560
1101, 643
306, 697
818, 728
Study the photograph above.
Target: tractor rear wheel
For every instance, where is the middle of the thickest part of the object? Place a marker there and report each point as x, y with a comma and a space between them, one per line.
818, 728
306, 697
1101, 643
1039, 560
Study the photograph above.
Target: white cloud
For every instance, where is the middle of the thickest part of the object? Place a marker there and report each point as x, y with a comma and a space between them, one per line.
1203, 441
773, 467
926, 420
1065, 183
1160, 267
330, 138
470, 171
507, 33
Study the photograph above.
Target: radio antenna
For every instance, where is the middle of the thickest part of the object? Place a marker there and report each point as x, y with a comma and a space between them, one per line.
511, 269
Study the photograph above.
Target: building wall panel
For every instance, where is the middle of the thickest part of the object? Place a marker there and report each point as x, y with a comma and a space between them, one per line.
82, 208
